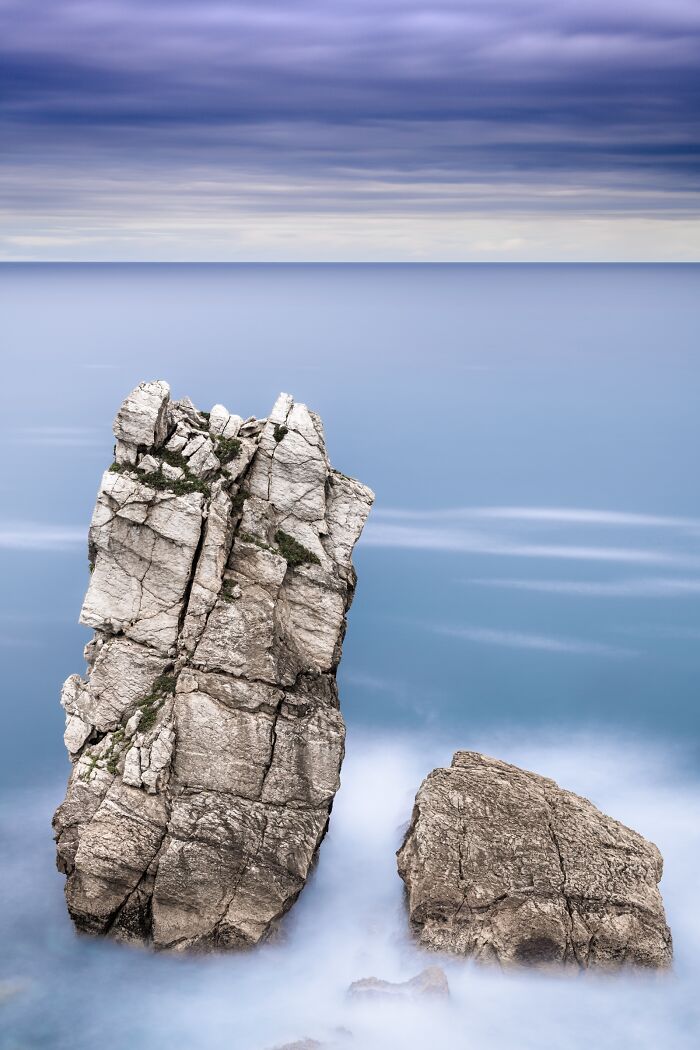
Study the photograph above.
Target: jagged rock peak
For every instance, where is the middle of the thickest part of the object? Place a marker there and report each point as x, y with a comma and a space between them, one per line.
505, 866
206, 739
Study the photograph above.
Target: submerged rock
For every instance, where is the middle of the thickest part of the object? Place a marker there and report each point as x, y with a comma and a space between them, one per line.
506, 866
206, 740
430, 983
302, 1044
340, 1037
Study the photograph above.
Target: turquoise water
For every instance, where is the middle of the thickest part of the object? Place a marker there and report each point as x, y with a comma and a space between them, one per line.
529, 585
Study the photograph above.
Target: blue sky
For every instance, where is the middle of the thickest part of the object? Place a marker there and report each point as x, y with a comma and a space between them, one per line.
350, 129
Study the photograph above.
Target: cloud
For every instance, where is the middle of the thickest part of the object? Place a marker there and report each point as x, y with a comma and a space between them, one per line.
434, 537
12, 642
34, 536
526, 532
208, 116
649, 587
538, 642
58, 436
547, 516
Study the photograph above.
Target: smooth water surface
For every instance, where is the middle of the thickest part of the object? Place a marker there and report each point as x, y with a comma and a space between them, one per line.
529, 584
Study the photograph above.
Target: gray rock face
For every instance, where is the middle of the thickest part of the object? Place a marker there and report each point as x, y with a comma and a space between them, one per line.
206, 739
504, 865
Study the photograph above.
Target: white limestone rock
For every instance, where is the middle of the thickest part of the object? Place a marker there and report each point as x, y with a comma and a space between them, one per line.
76, 733
141, 421
142, 544
224, 423
206, 738
148, 464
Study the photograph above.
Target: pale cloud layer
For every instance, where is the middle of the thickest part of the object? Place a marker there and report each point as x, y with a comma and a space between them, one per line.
575, 534
645, 587
34, 536
350, 130
538, 642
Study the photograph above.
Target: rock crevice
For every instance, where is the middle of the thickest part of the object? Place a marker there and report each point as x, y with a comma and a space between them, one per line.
206, 739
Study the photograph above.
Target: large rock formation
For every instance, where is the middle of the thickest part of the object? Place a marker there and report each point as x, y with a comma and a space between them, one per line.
504, 865
206, 740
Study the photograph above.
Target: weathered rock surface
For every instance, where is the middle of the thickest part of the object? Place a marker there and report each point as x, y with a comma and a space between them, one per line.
506, 866
430, 983
207, 740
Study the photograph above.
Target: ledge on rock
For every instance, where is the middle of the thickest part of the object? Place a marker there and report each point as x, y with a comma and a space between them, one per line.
505, 866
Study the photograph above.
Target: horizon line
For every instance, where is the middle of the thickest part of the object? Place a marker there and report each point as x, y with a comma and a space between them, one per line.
351, 262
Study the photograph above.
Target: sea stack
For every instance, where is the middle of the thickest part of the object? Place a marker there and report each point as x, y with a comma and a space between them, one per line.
206, 739
504, 866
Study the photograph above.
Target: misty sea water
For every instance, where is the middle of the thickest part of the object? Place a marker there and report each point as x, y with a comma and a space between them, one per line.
529, 585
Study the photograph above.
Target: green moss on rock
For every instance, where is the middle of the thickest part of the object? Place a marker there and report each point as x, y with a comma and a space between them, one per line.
227, 448
294, 552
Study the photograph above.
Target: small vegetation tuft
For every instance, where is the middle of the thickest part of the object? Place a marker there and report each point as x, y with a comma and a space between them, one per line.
227, 448
159, 482
179, 486
86, 776
238, 501
293, 551
163, 686
248, 537
112, 754
175, 459
227, 594
280, 431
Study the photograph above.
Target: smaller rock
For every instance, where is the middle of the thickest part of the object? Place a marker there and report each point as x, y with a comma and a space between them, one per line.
224, 423
132, 767
339, 1037
301, 1044
141, 420
199, 452
133, 723
186, 410
196, 442
177, 442
148, 464
504, 866
76, 733
252, 427
172, 473
430, 982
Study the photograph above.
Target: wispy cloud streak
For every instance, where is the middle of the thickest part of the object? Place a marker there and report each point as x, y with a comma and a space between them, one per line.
58, 436
32, 536
437, 538
545, 516
538, 642
650, 587
529, 532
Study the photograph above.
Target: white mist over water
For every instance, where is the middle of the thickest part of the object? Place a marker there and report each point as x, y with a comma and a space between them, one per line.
350, 923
